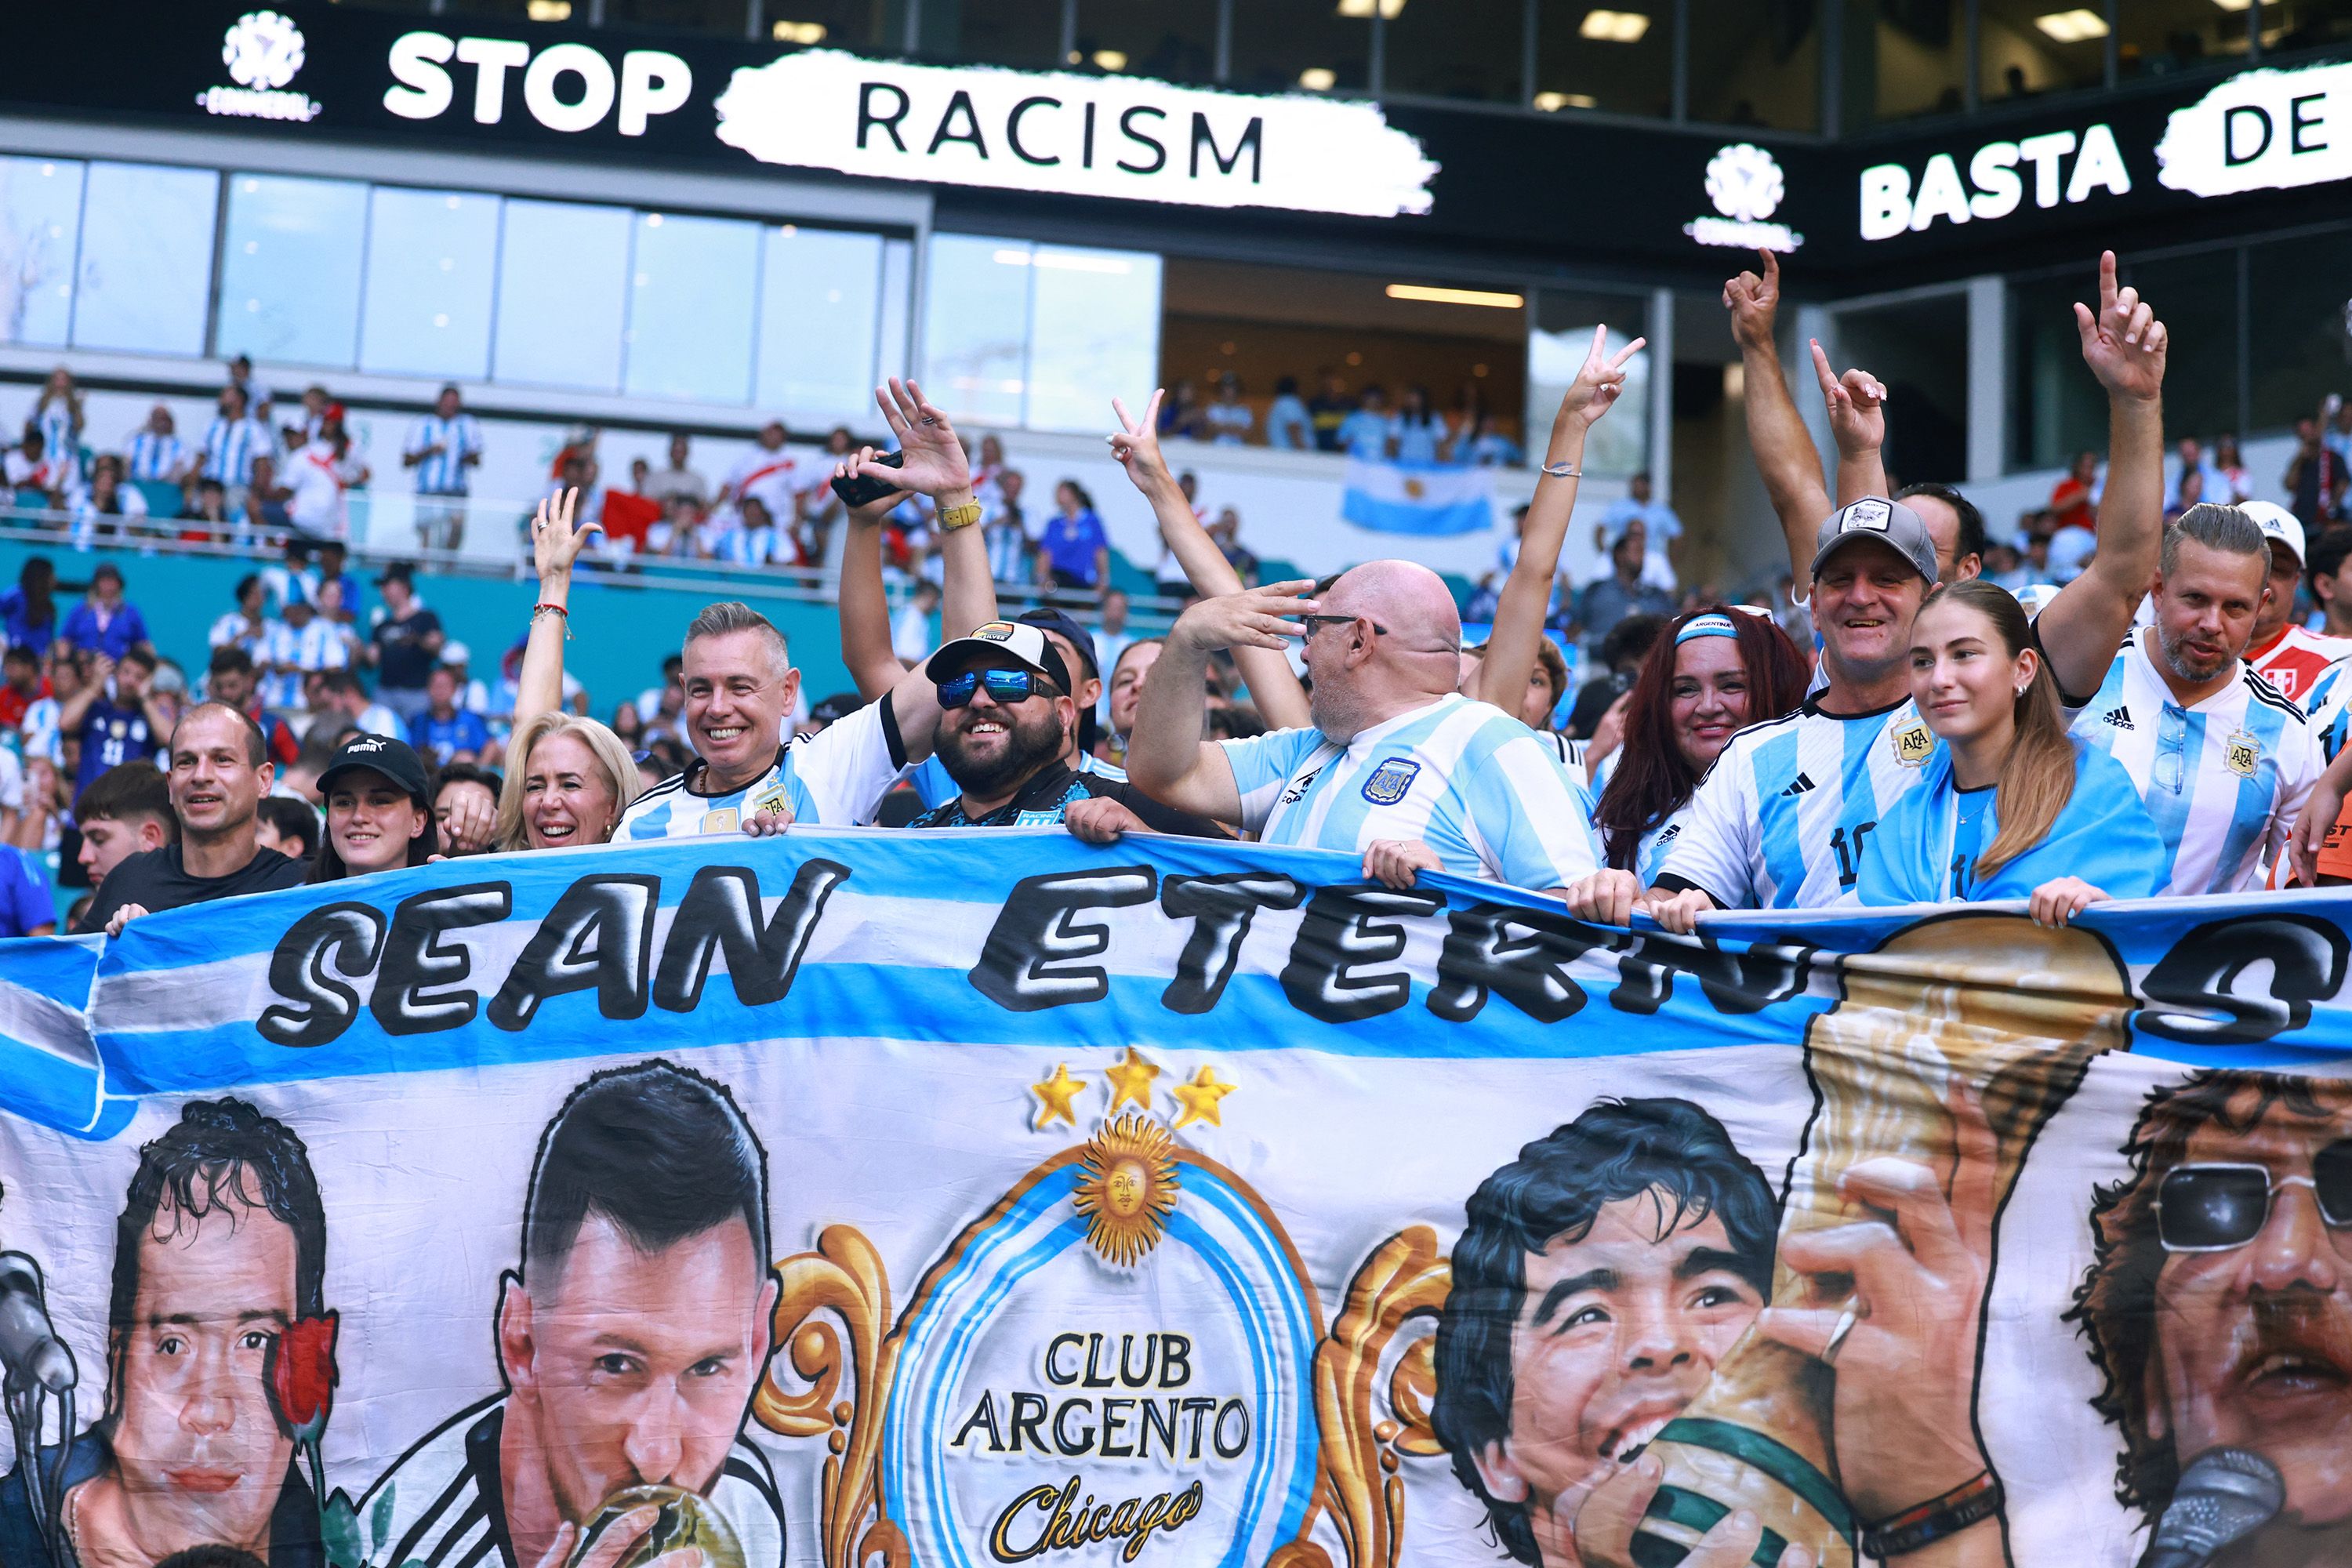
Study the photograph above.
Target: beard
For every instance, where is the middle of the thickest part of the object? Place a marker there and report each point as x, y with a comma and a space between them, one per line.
2183, 663
1031, 741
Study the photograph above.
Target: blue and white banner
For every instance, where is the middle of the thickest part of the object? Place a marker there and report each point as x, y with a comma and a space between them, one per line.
1418, 498
854, 1197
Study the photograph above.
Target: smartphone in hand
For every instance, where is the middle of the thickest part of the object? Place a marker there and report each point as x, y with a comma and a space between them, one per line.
865, 490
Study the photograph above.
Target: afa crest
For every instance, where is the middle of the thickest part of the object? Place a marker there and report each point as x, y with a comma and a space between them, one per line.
1912, 744
1391, 780
2245, 753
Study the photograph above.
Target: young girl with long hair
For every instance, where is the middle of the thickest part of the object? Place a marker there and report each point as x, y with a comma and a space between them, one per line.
379, 810
1712, 672
2012, 805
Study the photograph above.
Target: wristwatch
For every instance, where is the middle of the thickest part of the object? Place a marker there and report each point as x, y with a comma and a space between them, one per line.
954, 517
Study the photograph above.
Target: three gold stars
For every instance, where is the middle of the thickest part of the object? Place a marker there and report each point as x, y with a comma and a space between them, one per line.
1130, 1079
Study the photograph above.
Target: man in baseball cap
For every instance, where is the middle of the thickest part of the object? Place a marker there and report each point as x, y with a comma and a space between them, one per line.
2282, 651
1007, 716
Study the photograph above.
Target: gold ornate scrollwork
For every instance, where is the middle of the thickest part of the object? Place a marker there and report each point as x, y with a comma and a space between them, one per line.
1404, 1280
845, 1280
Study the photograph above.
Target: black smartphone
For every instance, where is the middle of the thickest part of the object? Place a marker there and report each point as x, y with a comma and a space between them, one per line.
865, 490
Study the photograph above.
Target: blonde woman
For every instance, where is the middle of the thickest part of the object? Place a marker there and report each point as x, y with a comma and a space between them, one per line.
568, 779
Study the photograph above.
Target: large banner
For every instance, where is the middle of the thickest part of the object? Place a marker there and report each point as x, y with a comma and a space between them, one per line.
964, 1199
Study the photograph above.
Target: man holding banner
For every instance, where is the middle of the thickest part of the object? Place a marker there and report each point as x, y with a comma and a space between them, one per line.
630, 1342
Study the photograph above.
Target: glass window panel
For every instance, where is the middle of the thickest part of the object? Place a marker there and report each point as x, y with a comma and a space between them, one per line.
1093, 330
1916, 52
2166, 37
290, 284
40, 225
820, 304
1173, 40
2300, 341
2056, 410
722, 16
1283, 44
146, 269
2198, 298
879, 25
563, 276
1757, 65
2018, 60
976, 327
1473, 50
1558, 341
690, 307
1919, 349
2291, 27
432, 264
893, 347
1626, 65
1024, 33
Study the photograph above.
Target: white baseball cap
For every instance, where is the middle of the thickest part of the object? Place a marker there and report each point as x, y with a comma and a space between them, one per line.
2279, 525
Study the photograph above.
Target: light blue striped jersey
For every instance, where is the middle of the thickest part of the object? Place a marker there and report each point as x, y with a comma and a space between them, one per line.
60, 431
230, 447
741, 546
834, 778
2223, 780
148, 455
1780, 819
935, 788
1465, 778
445, 473
2329, 704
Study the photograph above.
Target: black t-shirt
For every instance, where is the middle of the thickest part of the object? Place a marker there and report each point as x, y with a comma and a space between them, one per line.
402, 662
158, 880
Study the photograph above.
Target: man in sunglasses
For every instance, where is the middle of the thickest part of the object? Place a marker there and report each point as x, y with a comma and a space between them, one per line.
1397, 766
2220, 1307
1006, 715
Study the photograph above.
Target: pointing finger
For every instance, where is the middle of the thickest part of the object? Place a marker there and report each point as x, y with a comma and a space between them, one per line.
2107, 280
1627, 352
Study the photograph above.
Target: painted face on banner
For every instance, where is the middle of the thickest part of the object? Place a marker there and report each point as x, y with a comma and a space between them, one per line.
199, 1453
1616, 1334
642, 1365
2254, 1340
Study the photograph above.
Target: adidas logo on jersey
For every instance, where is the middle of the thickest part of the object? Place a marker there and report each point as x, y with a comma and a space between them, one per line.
2119, 718
1804, 782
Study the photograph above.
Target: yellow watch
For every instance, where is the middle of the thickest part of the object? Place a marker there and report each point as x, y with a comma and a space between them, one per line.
954, 517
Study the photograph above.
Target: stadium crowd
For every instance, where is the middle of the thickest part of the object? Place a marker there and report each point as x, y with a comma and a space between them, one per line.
1911, 721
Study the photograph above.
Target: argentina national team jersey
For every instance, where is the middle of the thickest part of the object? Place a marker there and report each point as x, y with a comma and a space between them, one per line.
444, 1500
1465, 778
1780, 820
443, 473
834, 778
2223, 780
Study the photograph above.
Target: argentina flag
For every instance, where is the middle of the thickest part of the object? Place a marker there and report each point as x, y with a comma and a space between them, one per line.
1418, 498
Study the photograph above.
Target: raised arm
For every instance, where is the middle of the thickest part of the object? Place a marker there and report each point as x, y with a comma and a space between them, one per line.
74, 709
1785, 454
1857, 406
2124, 345
1273, 685
555, 544
1511, 651
933, 463
865, 607
1166, 756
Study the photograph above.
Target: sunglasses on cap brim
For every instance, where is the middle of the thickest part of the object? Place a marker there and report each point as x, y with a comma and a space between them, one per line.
1004, 687
2218, 1205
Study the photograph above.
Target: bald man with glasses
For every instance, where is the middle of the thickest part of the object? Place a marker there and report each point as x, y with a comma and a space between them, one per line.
1397, 766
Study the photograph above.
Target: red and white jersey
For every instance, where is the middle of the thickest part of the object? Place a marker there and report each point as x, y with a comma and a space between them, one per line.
773, 477
2295, 659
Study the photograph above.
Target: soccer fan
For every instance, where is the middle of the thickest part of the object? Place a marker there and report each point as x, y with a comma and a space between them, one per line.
230, 678
155, 452
1006, 714
2012, 806
116, 713
444, 733
403, 643
105, 622
2330, 569
231, 442
220, 770
767, 474
1712, 673
1397, 766
379, 810
748, 775
465, 807
444, 446
2281, 650
288, 825
1782, 818
124, 811
2223, 762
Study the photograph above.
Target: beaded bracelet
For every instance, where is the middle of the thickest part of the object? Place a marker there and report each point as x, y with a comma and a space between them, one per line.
1971, 1502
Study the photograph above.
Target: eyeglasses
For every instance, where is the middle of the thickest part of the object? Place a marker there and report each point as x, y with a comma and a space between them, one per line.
1005, 687
2214, 1207
2171, 770
1316, 623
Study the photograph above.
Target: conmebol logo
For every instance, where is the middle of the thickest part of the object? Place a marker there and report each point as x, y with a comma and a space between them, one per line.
262, 50
1747, 186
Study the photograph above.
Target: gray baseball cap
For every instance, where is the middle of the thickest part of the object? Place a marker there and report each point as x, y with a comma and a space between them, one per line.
1887, 522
